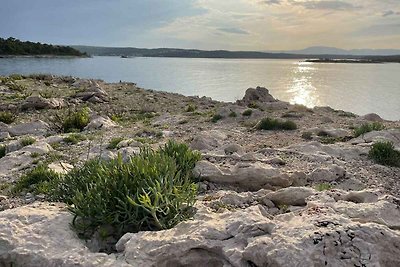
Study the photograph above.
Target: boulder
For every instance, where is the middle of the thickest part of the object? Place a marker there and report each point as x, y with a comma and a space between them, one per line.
39, 235
208, 140
33, 128
98, 122
392, 135
333, 173
372, 117
94, 91
291, 196
38, 102
332, 132
4, 136
259, 94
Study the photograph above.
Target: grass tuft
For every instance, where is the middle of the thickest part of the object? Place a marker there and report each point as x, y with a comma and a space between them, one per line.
368, 127
384, 153
7, 117
247, 112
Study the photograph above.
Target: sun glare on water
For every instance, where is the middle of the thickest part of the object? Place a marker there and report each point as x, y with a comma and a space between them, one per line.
302, 90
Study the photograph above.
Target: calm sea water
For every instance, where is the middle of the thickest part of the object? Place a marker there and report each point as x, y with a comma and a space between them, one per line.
360, 88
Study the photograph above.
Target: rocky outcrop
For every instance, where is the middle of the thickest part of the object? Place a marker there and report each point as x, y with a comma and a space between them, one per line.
252, 176
94, 94
259, 94
316, 235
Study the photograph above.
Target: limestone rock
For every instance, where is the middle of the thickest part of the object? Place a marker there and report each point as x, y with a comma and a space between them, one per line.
252, 176
60, 167
33, 128
38, 102
98, 122
291, 196
259, 94
372, 117
4, 136
208, 140
39, 235
94, 91
330, 174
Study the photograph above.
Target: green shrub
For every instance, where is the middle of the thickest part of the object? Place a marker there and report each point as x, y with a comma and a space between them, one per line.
247, 112
7, 117
154, 190
74, 138
3, 151
306, 135
275, 124
36, 181
216, 118
191, 108
384, 153
27, 141
232, 114
114, 142
368, 127
16, 87
16, 77
76, 121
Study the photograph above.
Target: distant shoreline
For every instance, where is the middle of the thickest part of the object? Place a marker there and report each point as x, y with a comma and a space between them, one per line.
42, 56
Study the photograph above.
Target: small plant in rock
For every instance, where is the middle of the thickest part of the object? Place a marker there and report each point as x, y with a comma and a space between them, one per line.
323, 187
114, 142
74, 138
232, 114
35, 155
307, 135
275, 124
247, 112
7, 117
3, 151
36, 181
216, 118
27, 141
368, 127
76, 120
253, 105
191, 108
384, 153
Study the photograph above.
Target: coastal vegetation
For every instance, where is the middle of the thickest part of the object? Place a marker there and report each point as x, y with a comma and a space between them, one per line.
15, 47
275, 124
384, 153
368, 127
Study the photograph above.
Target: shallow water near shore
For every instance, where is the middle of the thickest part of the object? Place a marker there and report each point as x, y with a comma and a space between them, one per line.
359, 88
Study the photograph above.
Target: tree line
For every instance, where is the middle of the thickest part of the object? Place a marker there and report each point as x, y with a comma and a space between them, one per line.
13, 46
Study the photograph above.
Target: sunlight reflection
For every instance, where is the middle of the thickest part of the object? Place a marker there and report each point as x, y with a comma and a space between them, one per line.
301, 89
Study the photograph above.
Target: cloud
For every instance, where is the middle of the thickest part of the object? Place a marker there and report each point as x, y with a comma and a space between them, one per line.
380, 30
325, 5
233, 30
390, 13
272, 2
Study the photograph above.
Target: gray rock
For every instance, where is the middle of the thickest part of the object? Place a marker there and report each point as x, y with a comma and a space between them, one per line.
4, 136
372, 117
38, 102
259, 94
33, 128
333, 173
291, 196
98, 122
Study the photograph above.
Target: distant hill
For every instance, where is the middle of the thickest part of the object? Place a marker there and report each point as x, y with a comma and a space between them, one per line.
308, 53
15, 47
325, 50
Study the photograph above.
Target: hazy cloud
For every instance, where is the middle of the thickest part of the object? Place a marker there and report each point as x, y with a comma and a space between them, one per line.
272, 2
329, 5
233, 30
390, 13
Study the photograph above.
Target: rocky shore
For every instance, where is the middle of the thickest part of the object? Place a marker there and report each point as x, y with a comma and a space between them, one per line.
305, 193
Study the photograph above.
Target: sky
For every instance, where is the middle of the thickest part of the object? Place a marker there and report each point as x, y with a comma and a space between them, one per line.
262, 25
